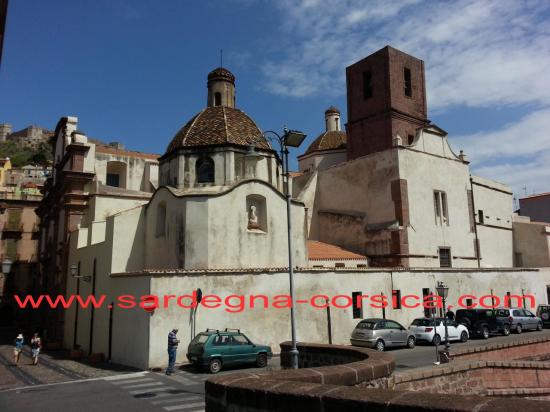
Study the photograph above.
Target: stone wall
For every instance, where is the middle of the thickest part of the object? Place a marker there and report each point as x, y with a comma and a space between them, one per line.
335, 387
504, 369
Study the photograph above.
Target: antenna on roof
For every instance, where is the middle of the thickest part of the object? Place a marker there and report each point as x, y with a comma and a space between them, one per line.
221, 57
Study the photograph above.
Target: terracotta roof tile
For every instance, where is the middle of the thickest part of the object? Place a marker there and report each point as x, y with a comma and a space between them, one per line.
218, 125
328, 141
111, 150
319, 251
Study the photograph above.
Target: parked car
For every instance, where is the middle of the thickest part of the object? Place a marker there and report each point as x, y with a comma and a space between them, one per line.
424, 330
543, 312
381, 333
520, 319
483, 322
215, 348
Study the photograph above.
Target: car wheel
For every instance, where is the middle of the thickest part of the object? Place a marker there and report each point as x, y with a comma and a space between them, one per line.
539, 327
506, 330
215, 366
411, 342
464, 336
380, 346
436, 340
519, 329
485, 332
261, 360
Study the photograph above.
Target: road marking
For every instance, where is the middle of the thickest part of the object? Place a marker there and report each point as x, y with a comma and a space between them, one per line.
142, 385
129, 381
125, 376
188, 398
187, 406
142, 391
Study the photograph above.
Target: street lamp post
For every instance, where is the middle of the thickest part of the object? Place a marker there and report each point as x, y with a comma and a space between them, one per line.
443, 291
290, 138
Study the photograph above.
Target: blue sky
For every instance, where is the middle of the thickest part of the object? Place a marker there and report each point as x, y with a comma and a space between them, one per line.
135, 71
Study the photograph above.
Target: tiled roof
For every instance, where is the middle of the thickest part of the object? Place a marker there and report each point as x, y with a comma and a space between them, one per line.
221, 73
332, 109
328, 141
217, 126
319, 251
120, 152
536, 195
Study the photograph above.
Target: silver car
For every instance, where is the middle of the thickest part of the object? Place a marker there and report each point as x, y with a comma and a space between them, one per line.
520, 319
381, 333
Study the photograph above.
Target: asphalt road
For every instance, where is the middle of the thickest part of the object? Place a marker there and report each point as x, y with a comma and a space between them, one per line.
424, 354
183, 391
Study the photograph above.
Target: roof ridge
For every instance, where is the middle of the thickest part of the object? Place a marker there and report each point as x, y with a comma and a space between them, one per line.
191, 126
225, 124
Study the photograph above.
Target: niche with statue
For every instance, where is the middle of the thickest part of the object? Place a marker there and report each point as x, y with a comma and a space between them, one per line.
256, 212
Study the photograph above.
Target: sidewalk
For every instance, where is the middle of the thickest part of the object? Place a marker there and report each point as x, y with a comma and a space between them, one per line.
53, 367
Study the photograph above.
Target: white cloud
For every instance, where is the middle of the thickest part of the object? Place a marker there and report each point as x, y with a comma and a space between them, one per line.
478, 53
518, 154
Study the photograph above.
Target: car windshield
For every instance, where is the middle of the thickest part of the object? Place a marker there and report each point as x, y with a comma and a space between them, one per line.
423, 322
503, 312
200, 339
366, 325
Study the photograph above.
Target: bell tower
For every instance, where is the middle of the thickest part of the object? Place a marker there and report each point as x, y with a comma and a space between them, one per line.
221, 88
386, 97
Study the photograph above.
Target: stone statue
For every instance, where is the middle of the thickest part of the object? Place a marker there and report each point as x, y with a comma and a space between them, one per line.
253, 218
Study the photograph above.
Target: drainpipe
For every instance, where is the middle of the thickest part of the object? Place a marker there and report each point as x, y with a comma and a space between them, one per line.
475, 223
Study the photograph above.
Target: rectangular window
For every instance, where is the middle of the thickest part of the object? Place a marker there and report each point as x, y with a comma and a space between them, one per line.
445, 257
367, 84
427, 311
480, 217
441, 209
410, 139
357, 309
396, 299
113, 180
408, 82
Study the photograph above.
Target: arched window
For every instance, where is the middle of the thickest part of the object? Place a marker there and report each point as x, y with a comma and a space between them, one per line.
204, 170
161, 220
217, 99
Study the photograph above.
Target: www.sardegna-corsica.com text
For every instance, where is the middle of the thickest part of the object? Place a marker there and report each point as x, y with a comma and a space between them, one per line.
238, 303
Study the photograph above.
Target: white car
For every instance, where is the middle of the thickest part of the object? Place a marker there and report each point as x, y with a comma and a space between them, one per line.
423, 330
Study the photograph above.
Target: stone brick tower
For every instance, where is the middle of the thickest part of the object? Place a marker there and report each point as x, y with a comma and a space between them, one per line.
386, 96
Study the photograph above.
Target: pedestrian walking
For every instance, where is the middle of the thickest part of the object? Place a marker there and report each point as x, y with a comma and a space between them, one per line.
18, 348
450, 314
172, 350
36, 345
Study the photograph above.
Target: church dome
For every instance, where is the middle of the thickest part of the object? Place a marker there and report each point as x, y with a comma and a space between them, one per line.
221, 73
332, 110
218, 125
330, 140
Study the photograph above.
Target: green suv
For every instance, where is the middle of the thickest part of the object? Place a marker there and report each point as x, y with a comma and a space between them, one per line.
215, 348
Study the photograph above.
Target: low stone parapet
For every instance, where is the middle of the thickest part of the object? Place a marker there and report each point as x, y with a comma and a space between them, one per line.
339, 386
527, 348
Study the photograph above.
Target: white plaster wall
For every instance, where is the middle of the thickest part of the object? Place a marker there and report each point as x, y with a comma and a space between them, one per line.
495, 235
272, 326
321, 160
532, 242
137, 175
425, 174
215, 231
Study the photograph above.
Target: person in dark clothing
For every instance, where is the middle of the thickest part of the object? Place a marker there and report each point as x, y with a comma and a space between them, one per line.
173, 342
450, 314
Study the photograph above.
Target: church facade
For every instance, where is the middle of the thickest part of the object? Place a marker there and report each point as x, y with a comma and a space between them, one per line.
385, 207
402, 196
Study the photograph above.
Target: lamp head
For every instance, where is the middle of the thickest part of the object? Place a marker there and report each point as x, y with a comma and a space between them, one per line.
6, 265
442, 290
293, 138
251, 152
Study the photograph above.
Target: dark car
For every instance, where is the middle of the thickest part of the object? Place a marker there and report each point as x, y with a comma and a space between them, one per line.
215, 348
483, 322
543, 312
